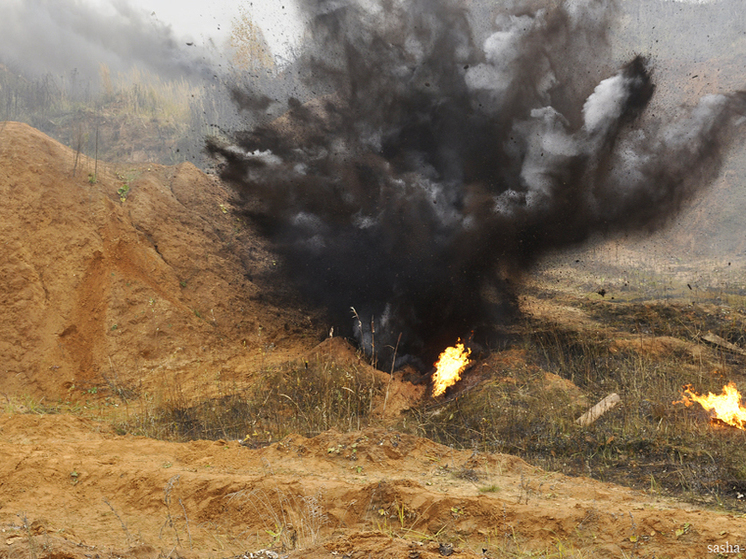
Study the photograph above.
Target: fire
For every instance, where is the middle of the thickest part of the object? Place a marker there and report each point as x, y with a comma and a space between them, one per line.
449, 366
725, 407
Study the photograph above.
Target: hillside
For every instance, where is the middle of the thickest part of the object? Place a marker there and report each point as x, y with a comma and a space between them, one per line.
113, 281
167, 393
79, 490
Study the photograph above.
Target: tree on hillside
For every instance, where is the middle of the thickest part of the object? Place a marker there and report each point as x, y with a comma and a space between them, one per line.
251, 50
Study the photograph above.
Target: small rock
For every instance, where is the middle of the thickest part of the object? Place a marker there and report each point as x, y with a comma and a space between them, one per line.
445, 549
261, 554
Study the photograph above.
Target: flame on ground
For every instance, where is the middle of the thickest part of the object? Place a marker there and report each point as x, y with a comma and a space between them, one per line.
449, 366
725, 407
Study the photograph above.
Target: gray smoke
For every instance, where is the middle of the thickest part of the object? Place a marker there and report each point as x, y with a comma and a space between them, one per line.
447, 150
65, 37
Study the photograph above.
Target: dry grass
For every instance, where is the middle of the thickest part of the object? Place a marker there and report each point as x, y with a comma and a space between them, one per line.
306, 398
645, 352
136, 116
648, 442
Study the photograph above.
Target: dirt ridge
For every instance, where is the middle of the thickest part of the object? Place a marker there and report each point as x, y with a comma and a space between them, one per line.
139, 269
86, 485
142, 280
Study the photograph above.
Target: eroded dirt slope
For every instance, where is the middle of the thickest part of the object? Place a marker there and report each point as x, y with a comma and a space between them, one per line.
70, 484
140, 279
123, 279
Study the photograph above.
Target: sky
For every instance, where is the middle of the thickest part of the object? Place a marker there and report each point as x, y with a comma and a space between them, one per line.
172, 38
201, 20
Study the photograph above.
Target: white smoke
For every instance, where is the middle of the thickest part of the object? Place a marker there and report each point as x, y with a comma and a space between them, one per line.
74, 37
605, 106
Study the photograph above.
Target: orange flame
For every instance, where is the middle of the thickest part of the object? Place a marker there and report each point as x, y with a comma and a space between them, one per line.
725, 407
449, 366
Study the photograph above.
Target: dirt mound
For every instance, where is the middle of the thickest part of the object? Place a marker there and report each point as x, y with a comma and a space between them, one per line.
107, 282
72, 489
399, 394
130, 285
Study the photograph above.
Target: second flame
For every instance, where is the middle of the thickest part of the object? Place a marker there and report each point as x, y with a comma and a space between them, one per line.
726, 406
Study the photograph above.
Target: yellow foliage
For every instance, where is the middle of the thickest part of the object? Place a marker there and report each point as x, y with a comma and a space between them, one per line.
251, 49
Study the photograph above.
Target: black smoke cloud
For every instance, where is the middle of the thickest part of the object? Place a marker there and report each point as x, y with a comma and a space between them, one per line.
447, 150
66, 36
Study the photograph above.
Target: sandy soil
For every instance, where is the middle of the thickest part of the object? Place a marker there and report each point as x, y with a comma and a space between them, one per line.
161, 289
70, 486
99, 293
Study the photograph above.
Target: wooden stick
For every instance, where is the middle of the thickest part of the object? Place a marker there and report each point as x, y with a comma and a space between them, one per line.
725, 344
608, 403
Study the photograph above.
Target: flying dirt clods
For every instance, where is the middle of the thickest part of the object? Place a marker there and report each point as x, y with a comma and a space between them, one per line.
446, 150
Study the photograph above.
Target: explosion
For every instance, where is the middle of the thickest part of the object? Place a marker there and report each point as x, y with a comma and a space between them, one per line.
432, 150
725, 407
449, 367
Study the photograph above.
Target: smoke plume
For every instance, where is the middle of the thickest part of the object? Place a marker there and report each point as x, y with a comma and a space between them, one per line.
446, 150
74, 36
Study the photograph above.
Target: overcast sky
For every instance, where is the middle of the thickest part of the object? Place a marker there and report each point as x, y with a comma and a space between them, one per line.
63, 37
66, 37
197, 17
200, 20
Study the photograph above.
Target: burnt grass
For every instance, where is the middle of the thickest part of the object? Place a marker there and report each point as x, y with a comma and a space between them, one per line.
678, 319
645, 352
648, 442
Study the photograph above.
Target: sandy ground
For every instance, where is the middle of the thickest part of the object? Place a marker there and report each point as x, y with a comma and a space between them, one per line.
71, 487
99, 292
159, 289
